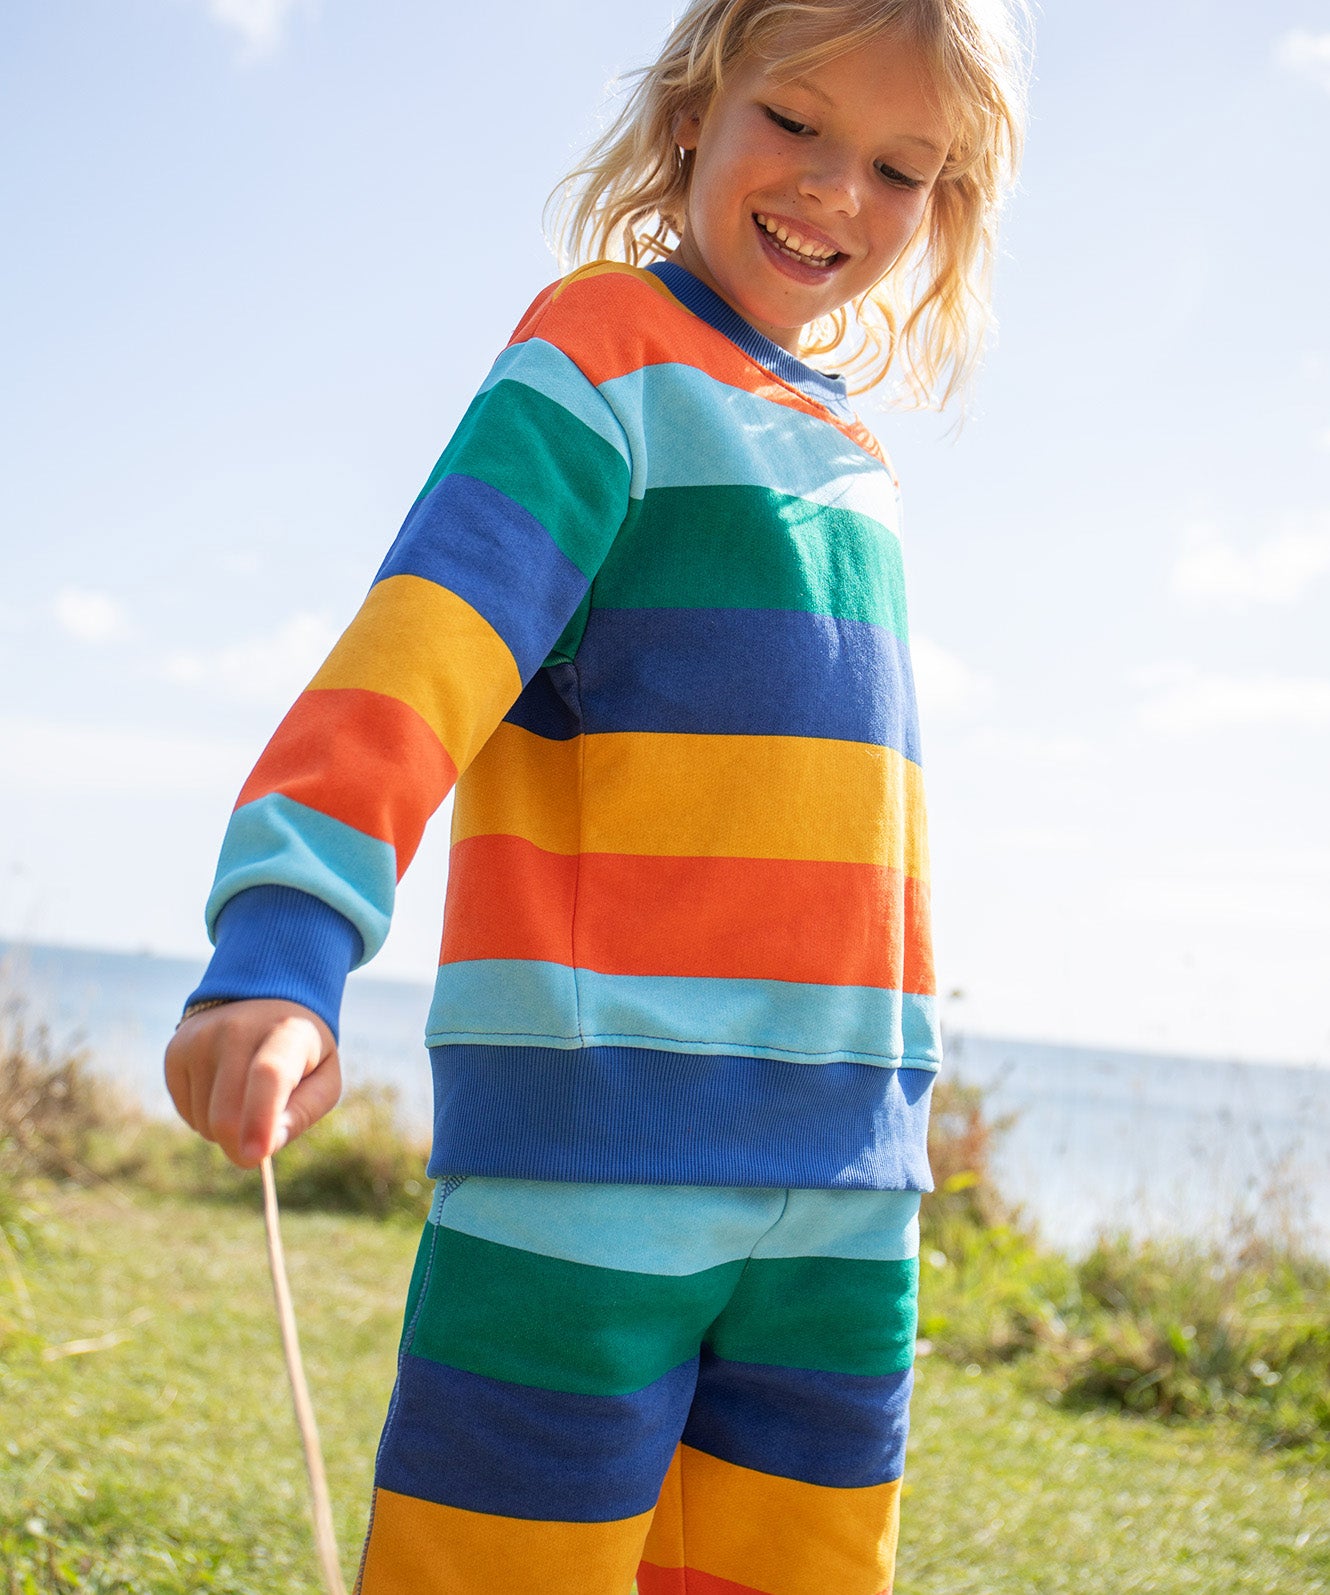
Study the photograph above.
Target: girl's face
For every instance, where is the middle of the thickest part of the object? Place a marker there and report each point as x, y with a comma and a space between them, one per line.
805, 190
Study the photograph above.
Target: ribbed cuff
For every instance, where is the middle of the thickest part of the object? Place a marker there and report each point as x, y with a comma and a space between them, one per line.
275, 941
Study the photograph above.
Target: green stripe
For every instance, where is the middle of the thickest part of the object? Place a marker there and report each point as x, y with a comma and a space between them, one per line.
535, 1320
418, 1271
835, 1314
752, 548
542, 457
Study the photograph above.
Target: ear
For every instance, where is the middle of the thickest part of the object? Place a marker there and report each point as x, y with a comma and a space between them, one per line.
687, 128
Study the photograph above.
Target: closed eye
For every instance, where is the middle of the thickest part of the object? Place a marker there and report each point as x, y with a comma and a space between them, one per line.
900, 178
787, 122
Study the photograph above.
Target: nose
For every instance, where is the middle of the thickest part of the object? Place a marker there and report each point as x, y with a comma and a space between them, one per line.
831, 179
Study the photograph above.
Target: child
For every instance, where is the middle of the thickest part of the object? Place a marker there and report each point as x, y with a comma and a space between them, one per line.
648, 608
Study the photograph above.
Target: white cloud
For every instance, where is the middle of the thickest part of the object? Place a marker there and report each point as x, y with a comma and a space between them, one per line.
1306, 53
260, 24
46, 756
1183, 699
1277, 570
945, 683
90, 616
269, 669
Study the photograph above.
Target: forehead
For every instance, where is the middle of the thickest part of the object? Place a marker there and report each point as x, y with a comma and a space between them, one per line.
887, 71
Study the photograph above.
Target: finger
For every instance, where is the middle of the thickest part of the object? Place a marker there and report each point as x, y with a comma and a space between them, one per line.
189, 1070
226, 1097
316, 1094
176, 1070
290, 1051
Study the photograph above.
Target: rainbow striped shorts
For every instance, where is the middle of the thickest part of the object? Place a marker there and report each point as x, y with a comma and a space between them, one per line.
703, 1388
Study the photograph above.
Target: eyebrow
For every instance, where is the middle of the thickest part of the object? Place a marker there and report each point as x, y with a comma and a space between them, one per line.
810, 87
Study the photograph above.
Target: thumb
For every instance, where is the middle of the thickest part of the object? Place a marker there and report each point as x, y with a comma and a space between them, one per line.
292, 1049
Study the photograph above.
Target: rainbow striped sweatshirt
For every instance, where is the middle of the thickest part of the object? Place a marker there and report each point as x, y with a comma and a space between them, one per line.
648, 614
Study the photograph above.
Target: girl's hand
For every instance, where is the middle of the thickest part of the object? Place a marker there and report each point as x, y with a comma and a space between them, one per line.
253, 1075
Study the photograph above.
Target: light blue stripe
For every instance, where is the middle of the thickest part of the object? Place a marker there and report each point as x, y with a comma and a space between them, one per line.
540, 365
753, 443
882, 1226
646, 1229
276, 841
518, 999
681, 1229
526, 1003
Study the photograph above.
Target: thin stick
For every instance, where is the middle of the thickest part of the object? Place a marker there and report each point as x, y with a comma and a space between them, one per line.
324, 1538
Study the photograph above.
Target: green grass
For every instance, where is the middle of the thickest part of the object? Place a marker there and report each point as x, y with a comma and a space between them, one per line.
167, 1462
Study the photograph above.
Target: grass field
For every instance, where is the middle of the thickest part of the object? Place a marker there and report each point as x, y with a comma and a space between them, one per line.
148, 1445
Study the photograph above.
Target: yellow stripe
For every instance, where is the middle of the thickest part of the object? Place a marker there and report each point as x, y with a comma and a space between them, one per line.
615, 268
522, 785
773, 1534
421, 643
418, 1545
683, 796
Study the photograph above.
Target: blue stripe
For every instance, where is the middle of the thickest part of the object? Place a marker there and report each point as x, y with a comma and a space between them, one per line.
624, 1114
681, 1229
546, 368
548, 704
516, 1451
273, 941
747, 672
276, 841
755, 443
474, 540
529, 1003
847, 1431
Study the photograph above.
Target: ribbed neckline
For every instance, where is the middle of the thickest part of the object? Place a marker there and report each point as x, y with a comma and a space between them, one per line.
705, 303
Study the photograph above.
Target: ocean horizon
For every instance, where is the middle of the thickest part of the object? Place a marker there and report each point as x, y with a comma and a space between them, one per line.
1098, 1140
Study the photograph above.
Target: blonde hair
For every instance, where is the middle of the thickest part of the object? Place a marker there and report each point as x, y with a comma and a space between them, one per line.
928, 315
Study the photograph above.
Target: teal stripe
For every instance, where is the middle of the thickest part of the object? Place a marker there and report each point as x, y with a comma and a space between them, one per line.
682, 1229
754, 443
533, 1320
831, 1314
539, 454
751, 548
540, 365
276, 841
526, 1003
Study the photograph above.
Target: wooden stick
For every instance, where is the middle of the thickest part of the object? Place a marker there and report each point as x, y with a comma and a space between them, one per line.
324, 1539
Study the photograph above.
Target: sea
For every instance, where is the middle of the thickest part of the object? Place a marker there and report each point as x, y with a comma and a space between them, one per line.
1090, 1141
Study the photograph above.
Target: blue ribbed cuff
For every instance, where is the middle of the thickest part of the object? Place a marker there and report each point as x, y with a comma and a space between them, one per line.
275, 941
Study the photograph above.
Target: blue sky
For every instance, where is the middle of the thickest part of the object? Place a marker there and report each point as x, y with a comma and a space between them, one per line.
258, 255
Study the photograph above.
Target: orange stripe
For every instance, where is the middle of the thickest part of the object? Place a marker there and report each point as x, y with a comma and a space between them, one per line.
736, 1531
360, 757
723, 918
585, 315
508, 899
417, 1546
428, 647
686, 1581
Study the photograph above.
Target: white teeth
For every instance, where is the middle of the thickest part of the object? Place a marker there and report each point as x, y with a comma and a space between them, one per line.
813, 254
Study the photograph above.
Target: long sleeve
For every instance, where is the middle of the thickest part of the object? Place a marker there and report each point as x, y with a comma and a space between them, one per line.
483, 583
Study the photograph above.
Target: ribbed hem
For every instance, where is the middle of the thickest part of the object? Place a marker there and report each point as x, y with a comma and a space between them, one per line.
704, 302
275, 941
626, 1114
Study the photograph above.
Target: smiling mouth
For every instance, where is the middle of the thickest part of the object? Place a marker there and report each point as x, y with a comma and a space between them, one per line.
807, 251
